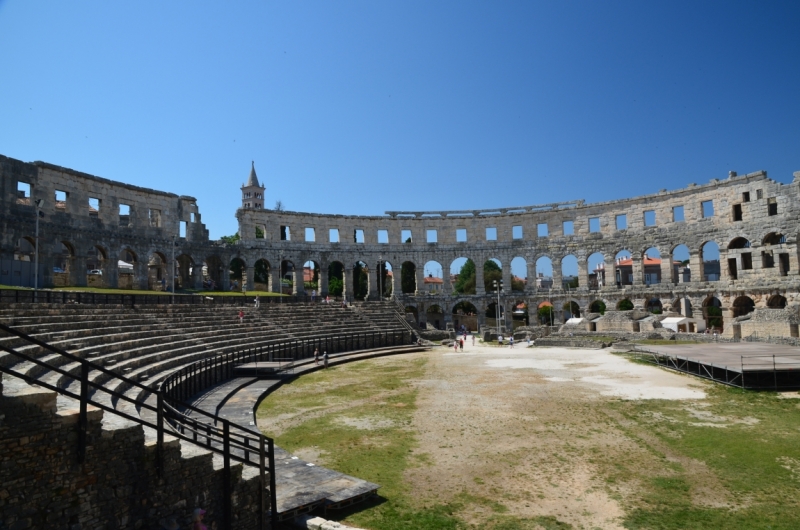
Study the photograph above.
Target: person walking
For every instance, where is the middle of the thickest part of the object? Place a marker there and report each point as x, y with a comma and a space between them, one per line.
316, 356
325, 359
473, 339
241, 316
313, 295
461, 344
258, 301
511, 342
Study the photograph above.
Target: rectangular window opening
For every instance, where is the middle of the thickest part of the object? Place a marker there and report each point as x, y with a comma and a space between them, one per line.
155, 218
94, 207
23, 190
541, 230
333, 235
431, 234
61, 200
767, 260
383, 237
516, 232
746, 196
491, 234
649, 218
358, 236
124, 212
759, 194
311, 234
286, 233
405, 236
182, 229
461, 235
261, 232
707, 208
737, 212
747, 261
677, 214
192, 218
772, 206
569, 228
594, 224
622, 221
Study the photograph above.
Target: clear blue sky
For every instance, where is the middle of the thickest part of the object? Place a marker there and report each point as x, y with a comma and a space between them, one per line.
365, 107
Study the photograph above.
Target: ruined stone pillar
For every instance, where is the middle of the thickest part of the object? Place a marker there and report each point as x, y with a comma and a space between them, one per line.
667, 271
479, 287
696, 266
197, 275
610, 271
225, 276
372, 284
420, 279
348, 283
275, 279
250, 278
558, 282
638, 270
322, 282
298, 287
507, 276
396, 287
530, 283
583, 274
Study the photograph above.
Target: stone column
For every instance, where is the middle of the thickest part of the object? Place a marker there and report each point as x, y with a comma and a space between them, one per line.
667, 271
250, 274
396, 287
322, 285
557, 279
696, 266
637, 267
479, 287
530, 285
275, 279
372, 283
610, 272
507, 276
109, 268
299, 287
348, 283
197, 275
583, 274
225, 276
420, 279
77, 271
140, 274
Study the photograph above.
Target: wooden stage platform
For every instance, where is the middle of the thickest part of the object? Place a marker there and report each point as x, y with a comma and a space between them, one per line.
750, 365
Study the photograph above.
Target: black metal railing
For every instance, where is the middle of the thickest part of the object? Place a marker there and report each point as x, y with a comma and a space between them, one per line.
233, 442
28, 296
182, 384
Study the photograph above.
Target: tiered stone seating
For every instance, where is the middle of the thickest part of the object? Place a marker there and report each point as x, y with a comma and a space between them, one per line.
148, 343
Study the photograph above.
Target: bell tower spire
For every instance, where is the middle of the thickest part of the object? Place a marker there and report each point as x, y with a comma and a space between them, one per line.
253, 192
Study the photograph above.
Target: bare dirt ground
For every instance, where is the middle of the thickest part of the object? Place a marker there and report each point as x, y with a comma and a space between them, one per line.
530, 428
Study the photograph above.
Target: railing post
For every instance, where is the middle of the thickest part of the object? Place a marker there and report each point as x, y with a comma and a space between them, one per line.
262, 490
83, 420
226, 459
273, 500
160, 433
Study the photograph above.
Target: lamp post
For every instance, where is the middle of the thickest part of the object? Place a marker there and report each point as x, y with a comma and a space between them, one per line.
173, 270
39, 203
380, 278
498, 286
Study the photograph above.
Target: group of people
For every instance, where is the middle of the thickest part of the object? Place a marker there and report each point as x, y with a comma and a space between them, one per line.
324, 358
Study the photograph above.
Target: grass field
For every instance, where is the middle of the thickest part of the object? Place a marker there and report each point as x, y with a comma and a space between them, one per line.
731, 460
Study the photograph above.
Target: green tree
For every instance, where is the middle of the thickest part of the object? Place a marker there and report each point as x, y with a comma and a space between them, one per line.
625, 305
259, 233
231, 240
491, 273
237, 269
714, 316
360, 282
335, 286
465, 283
260, 272
545, 314
408, 279
517, 284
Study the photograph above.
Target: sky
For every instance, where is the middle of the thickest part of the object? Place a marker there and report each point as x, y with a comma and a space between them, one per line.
363, 107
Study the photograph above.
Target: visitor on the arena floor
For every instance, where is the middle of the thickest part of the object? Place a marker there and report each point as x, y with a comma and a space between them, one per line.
313, 295
511, 342
325, 359
316, 356
258, 301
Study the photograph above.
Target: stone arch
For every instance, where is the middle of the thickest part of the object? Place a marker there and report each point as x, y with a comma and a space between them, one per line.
65, 261
710, 260
519, 274
262, 275
774, 238
681, 268
545, 313
655, 306
519, 314
311, 270
360, 280
623, 263
651, 266
237, 273
569, 272
408, 277
185, 266
157, 272
571, 309
492, 272
336, 278
465, 314
433, 277
97, 266
596, 265
598, 306
434, 316
624, 305
385, 275
743, 305
462, 271
289, 275
127, 261
739, 242
776, 301
25, 249
212, 273
712, 312
544, 273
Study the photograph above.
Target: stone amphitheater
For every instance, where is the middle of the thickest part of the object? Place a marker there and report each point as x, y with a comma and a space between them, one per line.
98, 375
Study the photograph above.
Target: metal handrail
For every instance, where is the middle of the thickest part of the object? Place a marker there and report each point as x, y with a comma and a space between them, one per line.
43, 296
168, 411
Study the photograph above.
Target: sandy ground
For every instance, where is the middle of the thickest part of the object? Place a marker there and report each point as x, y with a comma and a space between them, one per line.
520, 426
